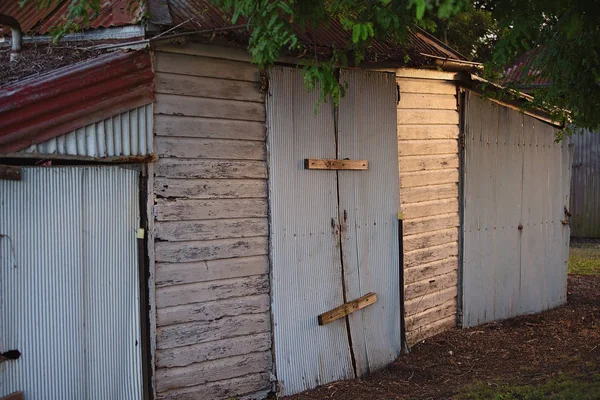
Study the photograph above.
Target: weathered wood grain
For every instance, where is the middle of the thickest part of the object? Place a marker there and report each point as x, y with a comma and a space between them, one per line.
429, 300
201, 127
178, 210
168, 274
334, 164
430, 208
200, 332
188, 85
429, 224
172, 104
427, 101
424, 256
427, 147
428, 193
423, 132
430, 270
347, 308
182, 356
211, 188
422, 320
427, 117
205, 66
429, 74
225, 389
211, 371
213, 310
431, 285
209, 148
211, 229
210, 169
210, 249
425, 86
430, 239
432, 329
428, 162
193, 293
428, 178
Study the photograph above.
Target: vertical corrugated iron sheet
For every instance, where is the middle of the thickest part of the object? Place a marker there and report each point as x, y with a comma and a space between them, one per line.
516, 187
124, 135
585, 185
369, 203
306, 275
69, 283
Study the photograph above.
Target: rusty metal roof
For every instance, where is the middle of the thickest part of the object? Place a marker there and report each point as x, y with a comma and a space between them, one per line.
204, 15
522, 70
37, 109
39, 21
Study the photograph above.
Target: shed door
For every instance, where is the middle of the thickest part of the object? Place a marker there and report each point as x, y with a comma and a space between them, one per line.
69, 287
334, 233
516, 188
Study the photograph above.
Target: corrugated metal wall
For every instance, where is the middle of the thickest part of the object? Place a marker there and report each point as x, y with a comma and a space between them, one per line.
69, 286
126, 134
516, 187
585, 185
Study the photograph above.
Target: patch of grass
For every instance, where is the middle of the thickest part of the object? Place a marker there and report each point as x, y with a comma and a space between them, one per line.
562, 388
584, 258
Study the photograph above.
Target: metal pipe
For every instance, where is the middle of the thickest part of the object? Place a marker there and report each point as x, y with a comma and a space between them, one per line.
17, 35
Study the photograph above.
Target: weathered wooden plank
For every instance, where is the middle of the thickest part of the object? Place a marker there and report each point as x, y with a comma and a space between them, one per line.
429, 300
209, 148
168, 274
422, 132
329, 163
427, 162
427, 101
425, 74
425, 86
210, 250
428, 224
211, 229
211, 188
210, 371
200, 332
424, 256
431, 330
428, 178
429, 208
192, 293
172, 104
225, 389
182, 356
348, 308
430, 239
216, 88
177, 210
422, 320
430, 270
427, 147
205, 66
210, 169
10, 172
200, 127
427, 117
428, 193
431, 285
212, 310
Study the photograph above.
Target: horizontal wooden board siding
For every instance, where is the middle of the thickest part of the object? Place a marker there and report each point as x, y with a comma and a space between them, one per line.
428, 131
212, 295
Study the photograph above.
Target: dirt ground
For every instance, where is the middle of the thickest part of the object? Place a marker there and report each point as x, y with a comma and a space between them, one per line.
527, 350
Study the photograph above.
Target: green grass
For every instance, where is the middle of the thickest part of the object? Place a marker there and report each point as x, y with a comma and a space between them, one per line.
584, 258
562, 388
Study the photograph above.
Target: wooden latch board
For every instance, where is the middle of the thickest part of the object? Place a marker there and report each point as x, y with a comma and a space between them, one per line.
335, 164
348, 308
9, 172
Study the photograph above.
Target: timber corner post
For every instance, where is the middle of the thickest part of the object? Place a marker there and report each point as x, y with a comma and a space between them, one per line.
404, 349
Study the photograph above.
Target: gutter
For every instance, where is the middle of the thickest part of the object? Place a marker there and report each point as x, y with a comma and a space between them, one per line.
454, 65
17, 35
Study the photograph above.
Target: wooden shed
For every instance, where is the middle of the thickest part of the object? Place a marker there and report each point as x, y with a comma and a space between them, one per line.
286, 248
